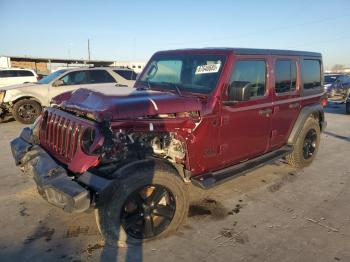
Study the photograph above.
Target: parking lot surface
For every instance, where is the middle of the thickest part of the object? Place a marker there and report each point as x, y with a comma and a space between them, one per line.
275, 213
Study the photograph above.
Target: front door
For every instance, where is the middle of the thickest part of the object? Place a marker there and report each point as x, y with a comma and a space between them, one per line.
70, 81
245, 125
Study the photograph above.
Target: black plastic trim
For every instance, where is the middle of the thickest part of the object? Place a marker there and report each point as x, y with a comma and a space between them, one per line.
210, 180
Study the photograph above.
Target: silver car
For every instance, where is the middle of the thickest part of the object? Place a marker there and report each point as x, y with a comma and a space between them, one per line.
25, 101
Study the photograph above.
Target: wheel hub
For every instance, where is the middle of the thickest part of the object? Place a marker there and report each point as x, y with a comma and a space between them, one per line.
148, 211
309, 146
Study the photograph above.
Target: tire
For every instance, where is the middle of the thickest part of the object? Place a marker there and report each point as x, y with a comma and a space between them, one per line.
26, 111
112, 216
347, 108
306, 145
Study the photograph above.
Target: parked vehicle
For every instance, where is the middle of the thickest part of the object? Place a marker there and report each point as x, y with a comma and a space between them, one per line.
337, 84
200, 116
347, 104
25, 102
13, 76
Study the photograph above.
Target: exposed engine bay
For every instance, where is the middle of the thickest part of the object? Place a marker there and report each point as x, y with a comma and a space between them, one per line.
121, 147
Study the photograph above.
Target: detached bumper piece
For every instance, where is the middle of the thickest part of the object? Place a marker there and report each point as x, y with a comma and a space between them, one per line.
52, 180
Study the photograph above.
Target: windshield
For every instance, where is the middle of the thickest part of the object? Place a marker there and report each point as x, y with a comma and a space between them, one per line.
330, 78
186, 72
52, 76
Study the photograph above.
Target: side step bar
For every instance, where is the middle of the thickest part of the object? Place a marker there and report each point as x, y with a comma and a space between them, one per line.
209, 180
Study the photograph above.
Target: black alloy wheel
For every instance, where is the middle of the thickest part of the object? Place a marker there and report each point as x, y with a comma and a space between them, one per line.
148, 211
28, 112
309, 144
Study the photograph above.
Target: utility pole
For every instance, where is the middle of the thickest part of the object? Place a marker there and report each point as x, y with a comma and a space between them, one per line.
88, 46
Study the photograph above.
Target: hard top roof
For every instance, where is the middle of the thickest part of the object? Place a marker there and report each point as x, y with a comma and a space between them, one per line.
246, 51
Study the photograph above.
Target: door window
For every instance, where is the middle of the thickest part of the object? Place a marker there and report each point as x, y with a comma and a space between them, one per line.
311, 73
251, 72
285, 76
75, 78
127, 74
24, 73
8, 73
100, 76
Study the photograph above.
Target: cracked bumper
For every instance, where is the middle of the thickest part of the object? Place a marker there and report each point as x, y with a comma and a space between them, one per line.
52, 180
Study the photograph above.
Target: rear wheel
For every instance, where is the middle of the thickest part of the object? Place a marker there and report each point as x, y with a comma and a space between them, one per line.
306, 145
347, 108
26, 111
148, 204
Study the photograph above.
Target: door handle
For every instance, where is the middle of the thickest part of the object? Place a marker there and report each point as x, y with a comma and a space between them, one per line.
265, 111
294, 105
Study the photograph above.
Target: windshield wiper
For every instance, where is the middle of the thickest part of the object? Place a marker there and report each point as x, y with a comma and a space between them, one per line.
178, 90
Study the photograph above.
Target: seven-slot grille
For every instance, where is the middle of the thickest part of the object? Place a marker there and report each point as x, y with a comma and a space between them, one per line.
60, 135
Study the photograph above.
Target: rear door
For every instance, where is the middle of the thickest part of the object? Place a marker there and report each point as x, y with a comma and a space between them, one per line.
99, 78
286, 82
25, 76
245, 125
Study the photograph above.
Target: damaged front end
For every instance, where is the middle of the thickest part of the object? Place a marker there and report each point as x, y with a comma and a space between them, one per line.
53, 182
74, 160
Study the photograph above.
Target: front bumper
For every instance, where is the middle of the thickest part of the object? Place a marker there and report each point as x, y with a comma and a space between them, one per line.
4, 112
52, 180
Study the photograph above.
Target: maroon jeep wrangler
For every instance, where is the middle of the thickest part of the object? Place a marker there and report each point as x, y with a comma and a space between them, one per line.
200, 116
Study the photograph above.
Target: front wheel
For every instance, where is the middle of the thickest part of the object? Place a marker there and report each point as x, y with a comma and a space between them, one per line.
26, 111
306, 145
148, 204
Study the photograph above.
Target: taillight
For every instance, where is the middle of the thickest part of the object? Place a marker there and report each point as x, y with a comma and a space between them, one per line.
38, 78
324, 101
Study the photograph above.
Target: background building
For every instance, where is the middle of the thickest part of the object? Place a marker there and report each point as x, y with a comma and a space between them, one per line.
48, 65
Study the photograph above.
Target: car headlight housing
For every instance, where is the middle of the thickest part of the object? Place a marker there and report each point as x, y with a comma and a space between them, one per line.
327, 86
36, 129
2, 96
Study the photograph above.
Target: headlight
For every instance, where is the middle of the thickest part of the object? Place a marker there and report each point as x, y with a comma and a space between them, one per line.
2, 95
36, 129
326, 86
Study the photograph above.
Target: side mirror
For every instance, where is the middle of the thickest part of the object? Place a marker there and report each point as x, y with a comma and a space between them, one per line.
238, 92
58, 83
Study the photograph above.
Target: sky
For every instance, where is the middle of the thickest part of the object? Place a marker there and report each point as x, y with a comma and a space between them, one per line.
134, 30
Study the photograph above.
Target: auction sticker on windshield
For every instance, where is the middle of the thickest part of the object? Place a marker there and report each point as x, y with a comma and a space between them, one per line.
207, 69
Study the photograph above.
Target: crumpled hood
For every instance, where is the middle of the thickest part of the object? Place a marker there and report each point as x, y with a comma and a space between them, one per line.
110, 103
19, 86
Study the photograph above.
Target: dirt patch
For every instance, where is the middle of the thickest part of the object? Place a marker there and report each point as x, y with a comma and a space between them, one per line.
233, 235
42, 232
208, 207
23, 210
290, 177
75, 231
92, 248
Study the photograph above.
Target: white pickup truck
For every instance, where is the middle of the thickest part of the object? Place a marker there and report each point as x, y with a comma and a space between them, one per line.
25, 101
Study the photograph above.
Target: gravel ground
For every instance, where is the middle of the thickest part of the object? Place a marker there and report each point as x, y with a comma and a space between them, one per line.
275, 213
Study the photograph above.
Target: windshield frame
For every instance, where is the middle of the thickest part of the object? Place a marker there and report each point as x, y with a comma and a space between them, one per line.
52, 77
223, 56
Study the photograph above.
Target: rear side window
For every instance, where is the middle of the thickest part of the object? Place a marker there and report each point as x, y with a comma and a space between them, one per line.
127, 74
24, 73
100, 76
251, 72
285, 76
311, 73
